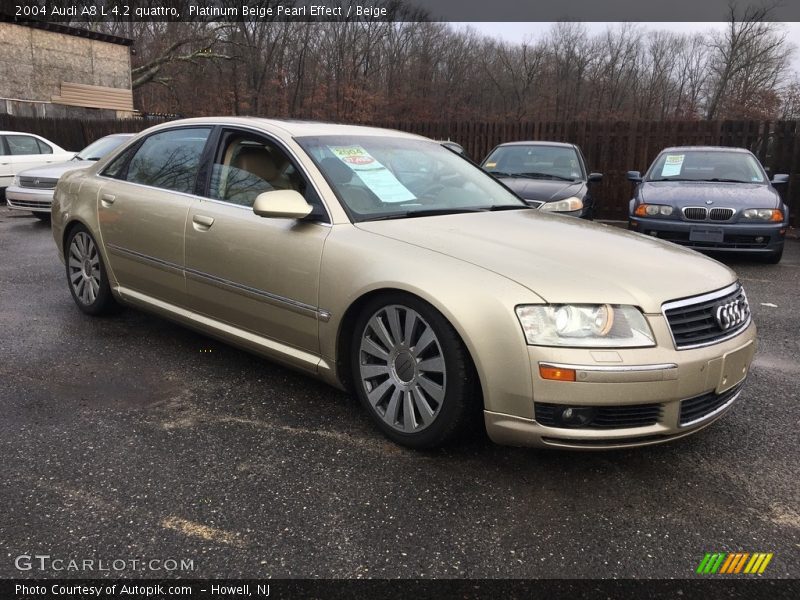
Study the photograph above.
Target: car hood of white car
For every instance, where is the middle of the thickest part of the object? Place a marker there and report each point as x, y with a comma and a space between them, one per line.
563, 259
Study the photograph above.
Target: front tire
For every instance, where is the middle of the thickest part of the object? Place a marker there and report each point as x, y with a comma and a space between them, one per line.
774, 257
86, 274
412, 372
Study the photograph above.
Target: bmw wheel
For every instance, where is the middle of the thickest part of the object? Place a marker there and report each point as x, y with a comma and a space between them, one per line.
86, 274
412, 372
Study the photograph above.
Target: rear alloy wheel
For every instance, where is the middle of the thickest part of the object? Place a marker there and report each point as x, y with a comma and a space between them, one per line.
86, 273
413, 373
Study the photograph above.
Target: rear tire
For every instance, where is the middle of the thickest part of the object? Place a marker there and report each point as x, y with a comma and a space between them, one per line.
412, 373
86, 274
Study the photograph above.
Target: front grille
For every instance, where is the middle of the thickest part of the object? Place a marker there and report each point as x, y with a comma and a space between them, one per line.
30, 203
695, 213
720, 214
40, 183
694, 321
604, 417
700, 407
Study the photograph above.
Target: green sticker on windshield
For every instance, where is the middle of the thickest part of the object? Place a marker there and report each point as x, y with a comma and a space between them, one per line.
672, 165
380, 180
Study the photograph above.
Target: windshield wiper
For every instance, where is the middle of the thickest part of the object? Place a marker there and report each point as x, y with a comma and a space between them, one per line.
675, 179
498, 207
724, 180
427, 212
536, 175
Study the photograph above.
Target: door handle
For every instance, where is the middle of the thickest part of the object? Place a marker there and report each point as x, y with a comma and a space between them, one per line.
202, 222
107, 199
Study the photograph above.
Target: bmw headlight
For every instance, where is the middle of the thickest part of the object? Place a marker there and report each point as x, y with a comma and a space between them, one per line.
584, 325
653, 210
565, 205
763, 214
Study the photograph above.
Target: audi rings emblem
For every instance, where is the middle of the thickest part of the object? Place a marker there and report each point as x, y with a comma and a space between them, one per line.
732, 314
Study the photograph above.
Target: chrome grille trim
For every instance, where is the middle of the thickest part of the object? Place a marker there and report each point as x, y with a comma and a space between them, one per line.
39, 183
694, 213
675, 313
721, 214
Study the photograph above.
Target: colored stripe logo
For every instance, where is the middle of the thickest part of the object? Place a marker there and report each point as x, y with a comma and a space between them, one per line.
733, 563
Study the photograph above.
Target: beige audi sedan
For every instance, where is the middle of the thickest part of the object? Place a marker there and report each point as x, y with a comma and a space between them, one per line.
386, 264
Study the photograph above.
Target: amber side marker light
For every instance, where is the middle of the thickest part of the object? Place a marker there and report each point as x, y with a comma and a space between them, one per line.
556, 373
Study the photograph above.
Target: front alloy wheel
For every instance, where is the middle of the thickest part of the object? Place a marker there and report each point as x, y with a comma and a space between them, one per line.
413, 373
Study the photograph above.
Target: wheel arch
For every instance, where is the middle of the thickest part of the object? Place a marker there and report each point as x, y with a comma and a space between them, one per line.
344, 334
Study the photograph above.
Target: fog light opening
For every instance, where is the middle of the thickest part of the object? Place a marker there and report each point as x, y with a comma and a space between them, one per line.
576, 416
653, 233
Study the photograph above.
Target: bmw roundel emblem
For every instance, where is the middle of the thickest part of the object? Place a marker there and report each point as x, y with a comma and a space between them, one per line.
709, 202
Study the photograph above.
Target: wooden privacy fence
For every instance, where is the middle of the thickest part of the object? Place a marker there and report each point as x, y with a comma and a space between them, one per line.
611, 147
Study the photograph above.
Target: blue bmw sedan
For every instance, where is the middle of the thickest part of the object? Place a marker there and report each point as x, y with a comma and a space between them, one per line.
711, 199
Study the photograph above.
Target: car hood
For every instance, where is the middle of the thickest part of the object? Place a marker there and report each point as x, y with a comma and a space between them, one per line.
56, 170
731, 195
544, 190
565, 260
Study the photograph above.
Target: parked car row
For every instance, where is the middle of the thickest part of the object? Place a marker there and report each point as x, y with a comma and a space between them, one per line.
21, 151
386, 264
714, 199
32, 190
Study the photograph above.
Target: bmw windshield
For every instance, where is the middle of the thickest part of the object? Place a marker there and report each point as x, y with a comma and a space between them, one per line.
706, 165
378, 177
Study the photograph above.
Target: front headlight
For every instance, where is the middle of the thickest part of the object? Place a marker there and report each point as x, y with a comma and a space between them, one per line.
15, 183
585, 325
653, 210
763, 214
565, 205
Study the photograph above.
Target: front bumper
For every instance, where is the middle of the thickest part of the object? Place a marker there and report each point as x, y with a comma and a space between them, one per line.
29, 199
737, 237
683, 390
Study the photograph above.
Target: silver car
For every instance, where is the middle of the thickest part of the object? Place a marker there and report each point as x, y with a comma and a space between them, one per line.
33, 189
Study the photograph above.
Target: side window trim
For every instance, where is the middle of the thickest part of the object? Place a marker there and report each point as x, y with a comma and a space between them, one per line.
219, 137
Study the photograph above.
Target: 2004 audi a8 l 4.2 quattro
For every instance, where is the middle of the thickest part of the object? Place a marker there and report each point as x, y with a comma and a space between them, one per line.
385, 264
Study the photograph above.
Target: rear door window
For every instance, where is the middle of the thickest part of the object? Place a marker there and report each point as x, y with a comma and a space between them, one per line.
22, 145
169, 159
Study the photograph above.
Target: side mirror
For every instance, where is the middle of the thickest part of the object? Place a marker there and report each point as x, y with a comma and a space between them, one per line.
634, 176
780, 178
282, 204
595, 177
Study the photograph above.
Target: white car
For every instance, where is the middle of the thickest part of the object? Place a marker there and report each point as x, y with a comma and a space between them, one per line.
32, 190
21, 151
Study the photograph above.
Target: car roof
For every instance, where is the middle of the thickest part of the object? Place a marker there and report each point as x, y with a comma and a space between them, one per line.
293, 127
706, 149
538, 143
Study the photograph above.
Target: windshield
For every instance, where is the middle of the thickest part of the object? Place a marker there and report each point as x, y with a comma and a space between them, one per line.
706, 165
97, 150
536, 162
378, 177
